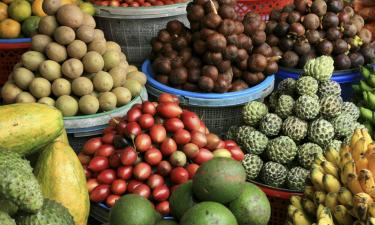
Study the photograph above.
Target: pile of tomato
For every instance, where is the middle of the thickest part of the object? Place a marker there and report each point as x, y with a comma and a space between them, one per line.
136, 3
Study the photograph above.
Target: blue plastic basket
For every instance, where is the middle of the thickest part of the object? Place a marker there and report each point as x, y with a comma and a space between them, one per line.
15, 40
344, 77
218, 111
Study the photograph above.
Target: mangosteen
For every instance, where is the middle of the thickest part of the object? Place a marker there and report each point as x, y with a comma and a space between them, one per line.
164, 36
286, 44
330, 20
333, 34
197, 35
319, 7
270, 27
227, 2
206, 84
179, 43
175, 27
304, 58
193, 62
185, 54
212, 21
208, 6
227, 27
313, 36
244, 42
325, 47
205, 32
177, 62
342, 62
288, 8
242, 55
368, 52
271, 68
237, 73
257, 62
242, 65
276, 51
239, 28
350, 30
289, 59
190, 87
210, 71
340, 46
216, 42
264, 49
231, 52
284, 17
224, 66
195, 13
222, 85
311, 21
199, 47
322, 34
238, 85
162, 66
178, 76
162, 79
200, 2
232, 39
259, 37
335, 6
251, 26
344, 17
212, 58
293, 17
297, 29
349, 10
272, 40
253, 78
302, 47
356, 59
301, 6
195, 26
281, 30
358, 21
275, 15
172, 54
194, 74
157, 46
227, 12
251, 17
365, 35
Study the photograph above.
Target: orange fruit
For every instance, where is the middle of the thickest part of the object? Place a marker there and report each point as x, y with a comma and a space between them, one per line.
37, 8
10, 28
19, 10
3, 11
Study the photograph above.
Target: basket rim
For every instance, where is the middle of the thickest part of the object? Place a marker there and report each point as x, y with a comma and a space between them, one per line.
276, 192
15, 40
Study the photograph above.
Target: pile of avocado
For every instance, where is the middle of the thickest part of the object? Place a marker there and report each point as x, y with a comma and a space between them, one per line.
217, 195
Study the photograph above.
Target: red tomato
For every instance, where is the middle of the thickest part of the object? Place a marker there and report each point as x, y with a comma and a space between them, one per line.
135, 4
100, 193
153, 156
149, 108
106, 176
121, 128
142, 142
142, 171
164, 168
133, 129
161, 193
165, 97
182, 137
173, 124
105, 150
178, 158
168, 2
141, 2
203, 128
163, 208
179, 175
132, 185
158, 133
115, 160
146, 4
91, 184
128, 156
142, 190
137, 106
133, 115
125, 172
104, 3
212, 141
191, 150
109, 130
155, 180
124, 5
237, 153
118, 187
168, 147
111, 200
198, 138
169, 110
115, 3
98, 163
192, 169
230, 143
83, 158
108, 138
221, 144
190, 120
92, 145
88, 173
204, 155
146, 121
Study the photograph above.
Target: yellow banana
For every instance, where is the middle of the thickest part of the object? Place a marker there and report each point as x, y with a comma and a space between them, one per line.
331, 200
360, 211
317, 166
361, 163
333, 156
326, 221
360, 148
330, 168
325, 217
319, 158
358, 222
367, 182
353, 184
331, 183
291, 210
309, 192
345, 197
347, 157
308, 206
348, 168
319, 197
316, 177
371, 210
361, 203
371, 221
355, 137
370, 155
367, 136
342, 215
296, 201
344, 149
300, 218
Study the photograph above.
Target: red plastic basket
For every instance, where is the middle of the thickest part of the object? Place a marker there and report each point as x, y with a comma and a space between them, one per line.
262, 7
279, 200
10, 54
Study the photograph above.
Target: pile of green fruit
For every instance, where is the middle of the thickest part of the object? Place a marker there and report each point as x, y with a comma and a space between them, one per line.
300, 119
218, 195
71, 66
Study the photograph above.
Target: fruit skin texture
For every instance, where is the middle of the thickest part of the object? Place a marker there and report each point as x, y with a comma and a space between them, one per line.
330, 106
253, 112
320, 68
132, 209
8, 207
251, 207
307, 86
321, 132
273, 174
306, 154
52, 213
26, 127
253, 142
343, 125
183, 194
329, 87
220, 180
287, 86
252, 164
295, 128
62, 179
18, 184
5, 219
282, 149
351, 109
307, 107
296, 178
270, 125
208, 213
285, 106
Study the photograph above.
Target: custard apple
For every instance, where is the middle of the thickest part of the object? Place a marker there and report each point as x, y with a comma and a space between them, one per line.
273, 174
5, 219
343, 125
243, 131
253, 142
287, 86
330, 106
270, 125
296, 178
232, 132
306, 154
352, 109
272, 100
252, 164
307, 86
307, 107
321, 132
334, 144
329, 87
295, 128
320, 68
357, 125
281, 149
285, 106
253, 112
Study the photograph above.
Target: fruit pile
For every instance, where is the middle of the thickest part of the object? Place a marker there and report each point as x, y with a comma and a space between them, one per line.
72, 67
341, 186
41, 178
135, 3
301, 118
155, 147
218, 194
303, 31
217, 54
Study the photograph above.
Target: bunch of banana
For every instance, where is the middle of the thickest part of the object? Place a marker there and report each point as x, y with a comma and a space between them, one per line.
341, 186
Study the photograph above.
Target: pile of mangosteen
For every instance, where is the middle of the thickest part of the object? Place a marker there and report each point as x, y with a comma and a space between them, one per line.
305, 30
218, 53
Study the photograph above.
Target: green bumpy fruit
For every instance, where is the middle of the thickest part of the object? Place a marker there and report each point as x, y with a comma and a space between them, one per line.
334, 144
281, 150
52, 213
253, 142
272, 100
287, 86
320, 68
296, 178
5, 219
253, 112
321, 132
307, 107
343, 125
329, 87
232, 132
273, 174
270, 125
351, 109
252, 164
8, 207
306, 154
307, 86
295, 128
330, 106
18, 183
285, 106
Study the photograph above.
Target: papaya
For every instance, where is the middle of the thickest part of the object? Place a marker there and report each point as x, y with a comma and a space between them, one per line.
27, 127
63, 137
62, 179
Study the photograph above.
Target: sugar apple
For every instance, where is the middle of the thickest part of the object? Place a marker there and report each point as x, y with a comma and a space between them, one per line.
273, 174
330, 106
285, 106
343, 125
329, 87
320, 68
243, 131
5, 219
287, 86
334, 144
307, 107
272, 100
253, 142
281, 149
8, 207
270, 125
321, 132
307, 85
296, 178
306, 154
232, 132
351, 108
357, 125
295, 128
252, 164
253, 112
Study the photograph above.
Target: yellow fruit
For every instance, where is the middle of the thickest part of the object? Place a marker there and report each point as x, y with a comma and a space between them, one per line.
3, 11
37, 8
9, 28
88, 8
19, 10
